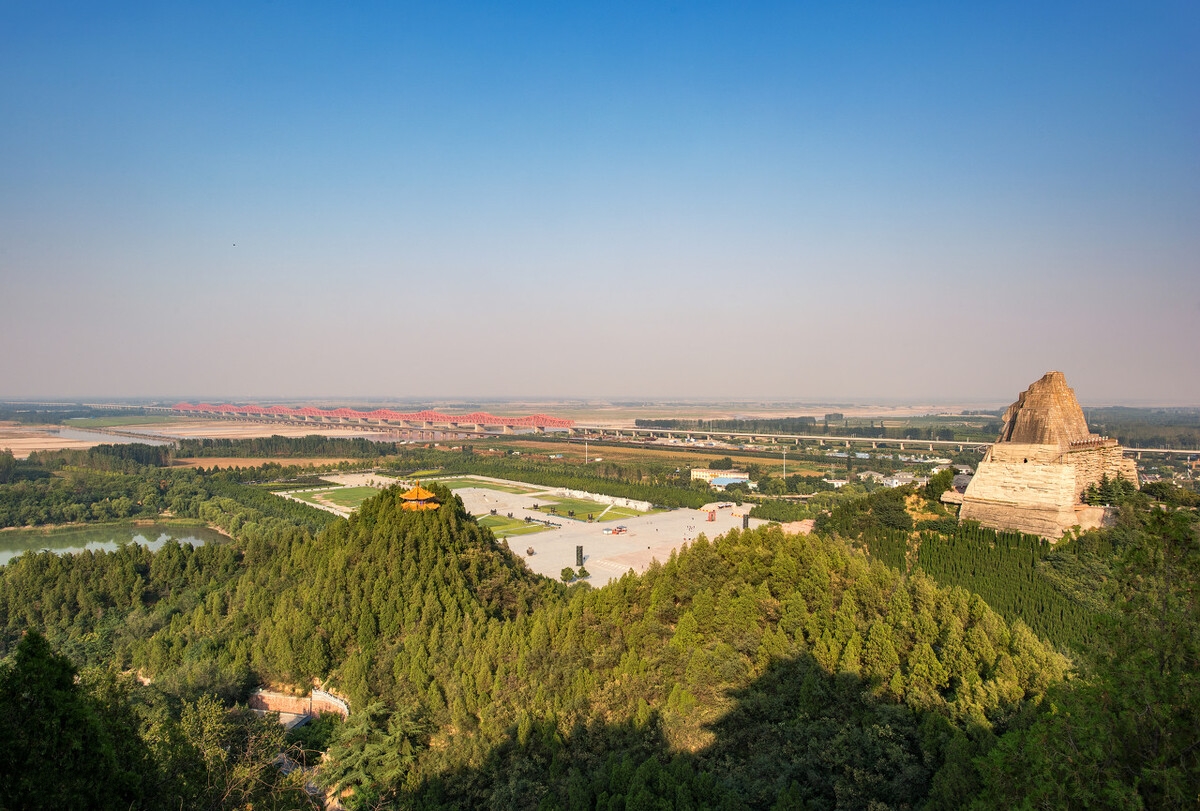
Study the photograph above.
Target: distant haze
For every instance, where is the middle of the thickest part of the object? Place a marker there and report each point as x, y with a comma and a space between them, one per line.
846, 203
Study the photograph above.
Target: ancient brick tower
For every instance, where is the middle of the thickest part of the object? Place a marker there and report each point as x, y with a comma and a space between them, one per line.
1034, 477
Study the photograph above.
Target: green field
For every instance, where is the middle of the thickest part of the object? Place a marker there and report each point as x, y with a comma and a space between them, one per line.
309, 496
502, 526
464, 481
350, 497
421, 474
583, 506
617, 513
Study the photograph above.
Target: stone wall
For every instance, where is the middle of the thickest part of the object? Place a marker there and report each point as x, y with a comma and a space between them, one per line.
1034, 476
1034, 498
1041, 499
1092, 464
616, 501
1022, 453
317, 703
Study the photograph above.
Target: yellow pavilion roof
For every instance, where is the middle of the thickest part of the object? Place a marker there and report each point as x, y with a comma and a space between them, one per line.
419, 493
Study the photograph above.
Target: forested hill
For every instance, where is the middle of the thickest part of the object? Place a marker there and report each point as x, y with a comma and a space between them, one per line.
755, 670
428, 614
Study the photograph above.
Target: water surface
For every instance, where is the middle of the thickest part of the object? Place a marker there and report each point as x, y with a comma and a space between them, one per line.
101, 537
107, 439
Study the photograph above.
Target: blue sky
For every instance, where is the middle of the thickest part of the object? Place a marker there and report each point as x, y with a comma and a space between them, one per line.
869, 201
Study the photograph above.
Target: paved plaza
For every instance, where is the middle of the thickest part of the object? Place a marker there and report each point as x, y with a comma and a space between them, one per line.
606, 557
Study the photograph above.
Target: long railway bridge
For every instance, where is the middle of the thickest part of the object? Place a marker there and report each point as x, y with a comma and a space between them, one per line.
386, 420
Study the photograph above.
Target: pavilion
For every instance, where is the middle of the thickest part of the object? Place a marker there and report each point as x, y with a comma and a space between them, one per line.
419, 498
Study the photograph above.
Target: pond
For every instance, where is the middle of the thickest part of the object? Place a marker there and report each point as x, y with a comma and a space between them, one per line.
101, 537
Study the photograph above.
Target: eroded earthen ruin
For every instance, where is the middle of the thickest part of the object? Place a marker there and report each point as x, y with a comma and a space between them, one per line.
1034, 477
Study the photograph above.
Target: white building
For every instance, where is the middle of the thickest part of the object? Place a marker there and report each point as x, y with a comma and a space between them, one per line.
706, 475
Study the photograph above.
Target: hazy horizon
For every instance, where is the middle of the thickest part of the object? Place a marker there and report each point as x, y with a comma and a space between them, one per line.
570, 402
862, 204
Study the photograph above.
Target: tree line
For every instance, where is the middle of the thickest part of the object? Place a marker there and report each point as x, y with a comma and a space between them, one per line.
316, 445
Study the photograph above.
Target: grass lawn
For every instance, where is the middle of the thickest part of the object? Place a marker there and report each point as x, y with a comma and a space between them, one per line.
349, 497
461, 482
617, 513
581, 507
584, 506
421, 474
502, 526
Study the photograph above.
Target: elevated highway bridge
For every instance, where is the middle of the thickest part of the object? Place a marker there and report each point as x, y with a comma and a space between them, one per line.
490, 424
475, 422
827, 439
824, 439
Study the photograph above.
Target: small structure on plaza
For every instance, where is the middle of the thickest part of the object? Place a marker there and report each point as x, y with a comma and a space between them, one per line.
419, 498
1034, 477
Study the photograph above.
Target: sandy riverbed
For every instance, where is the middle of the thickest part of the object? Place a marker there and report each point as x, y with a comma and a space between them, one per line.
23, 439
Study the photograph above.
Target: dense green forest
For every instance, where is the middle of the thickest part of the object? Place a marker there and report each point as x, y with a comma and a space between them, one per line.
1054, 588
40, 414
315, 445
881, 662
